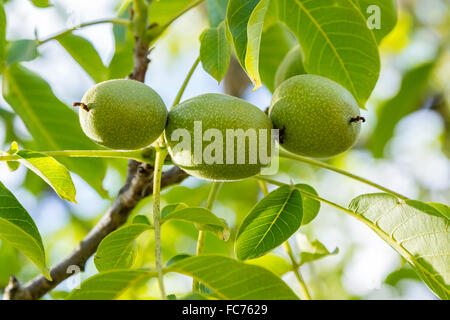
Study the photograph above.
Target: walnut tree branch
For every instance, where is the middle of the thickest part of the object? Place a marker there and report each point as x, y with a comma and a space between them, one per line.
138, 186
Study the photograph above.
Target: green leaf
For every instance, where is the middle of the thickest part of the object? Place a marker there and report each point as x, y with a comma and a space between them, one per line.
50, 170
254, 34
18, 228
442, 208
21, 50
404, 273
215, 51
336, 43
163, 12
271, 222
8, 120
12, 165
273, 263
2, 36
417, 231
51, 123
217, 11
311, 207
231, 279
109, 285
407, 100
41, 3
177, 258
122, 62
116, 251
312, 250
238, 16
170, 208
141, 219
228, 278
276, 42
203, 219
83, 52
381, 16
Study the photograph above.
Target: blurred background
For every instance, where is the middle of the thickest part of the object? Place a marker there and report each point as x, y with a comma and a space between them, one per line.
404, 145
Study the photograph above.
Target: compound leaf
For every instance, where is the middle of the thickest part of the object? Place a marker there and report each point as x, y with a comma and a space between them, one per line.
336, 43
381, 16
416, 230
50, 170
51, 123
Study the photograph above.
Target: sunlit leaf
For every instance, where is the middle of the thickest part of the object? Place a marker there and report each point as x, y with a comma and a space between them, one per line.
50, 170
10, 254
271, 222
238, 15
117, 251
442, 208
254, 34
53, 125
215, 51
231, 279
417, 231
381, 16
18, 228
336, 43
83, 52
203, 219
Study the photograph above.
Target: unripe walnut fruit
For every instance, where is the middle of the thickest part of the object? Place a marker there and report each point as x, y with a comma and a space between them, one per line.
292, 65
316, 116
210, 127
122, 114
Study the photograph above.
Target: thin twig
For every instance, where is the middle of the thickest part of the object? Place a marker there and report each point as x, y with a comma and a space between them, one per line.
185, 83
324, 165
83, 25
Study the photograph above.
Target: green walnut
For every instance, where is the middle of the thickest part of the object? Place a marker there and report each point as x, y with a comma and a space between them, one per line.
292, 65
219, 137
122, 114
316, 116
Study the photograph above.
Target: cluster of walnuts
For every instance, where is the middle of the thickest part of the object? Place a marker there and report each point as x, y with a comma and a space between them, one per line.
316, 117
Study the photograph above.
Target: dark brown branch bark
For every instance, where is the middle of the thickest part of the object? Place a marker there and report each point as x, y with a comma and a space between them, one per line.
138, 186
